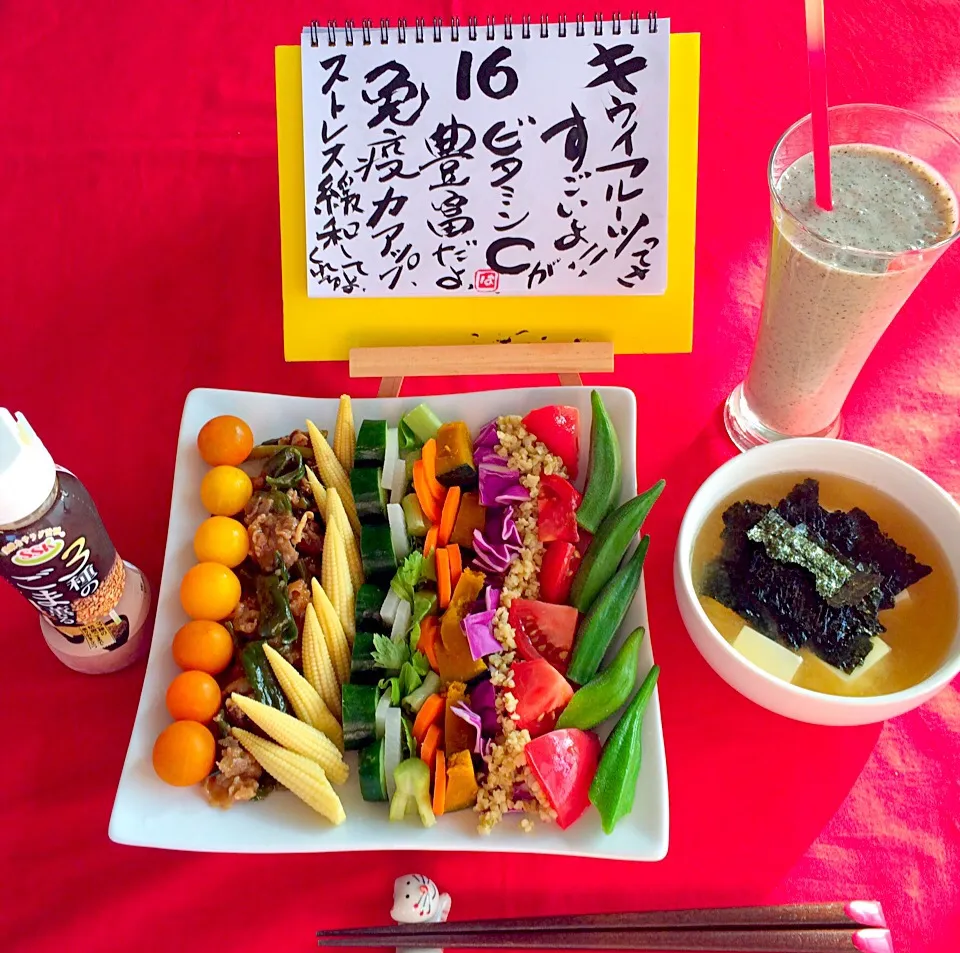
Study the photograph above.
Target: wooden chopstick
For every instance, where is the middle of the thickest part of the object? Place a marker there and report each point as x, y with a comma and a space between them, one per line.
806, 915
792, 940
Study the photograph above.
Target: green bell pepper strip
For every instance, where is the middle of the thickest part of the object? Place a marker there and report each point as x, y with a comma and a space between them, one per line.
281, 502
261, 678
601, 623
285, 470
277, 624
615, 783
605, 694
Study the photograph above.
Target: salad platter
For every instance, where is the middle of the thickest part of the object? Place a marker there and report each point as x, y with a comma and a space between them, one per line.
407, 668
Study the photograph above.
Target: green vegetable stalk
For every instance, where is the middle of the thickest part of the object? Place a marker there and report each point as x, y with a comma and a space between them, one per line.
260, 676
285, 470
615, 783
413, 790
413, 700
603, 695
277, 624
601, 623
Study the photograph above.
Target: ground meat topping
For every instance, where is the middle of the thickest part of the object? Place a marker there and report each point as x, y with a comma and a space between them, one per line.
272, 533
311, 537
298, 593
246, 617
260, 504
237, 777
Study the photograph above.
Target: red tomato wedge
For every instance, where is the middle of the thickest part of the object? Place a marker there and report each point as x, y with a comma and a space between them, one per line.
541, 693
558, 428
544, 631
564, 763
557, 505
560, 563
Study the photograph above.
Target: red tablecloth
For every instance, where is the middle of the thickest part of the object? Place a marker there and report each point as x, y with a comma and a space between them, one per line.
138, 215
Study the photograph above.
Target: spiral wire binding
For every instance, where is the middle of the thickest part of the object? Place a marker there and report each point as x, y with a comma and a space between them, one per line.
472, 34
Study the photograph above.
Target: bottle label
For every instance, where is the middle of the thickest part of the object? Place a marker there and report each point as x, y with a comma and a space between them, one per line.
65, 564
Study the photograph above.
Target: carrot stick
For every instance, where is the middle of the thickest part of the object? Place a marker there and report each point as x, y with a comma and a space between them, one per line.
430, 542
431, 711
429, 457
448, 515
440, 784
444, 587
429, 505
429, 632
456, 564
432, 742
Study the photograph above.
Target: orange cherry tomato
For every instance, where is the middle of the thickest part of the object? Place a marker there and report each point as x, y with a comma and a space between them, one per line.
225, 440
203, 646
209, 591
184, 753
224, 491
220, 539
194, 696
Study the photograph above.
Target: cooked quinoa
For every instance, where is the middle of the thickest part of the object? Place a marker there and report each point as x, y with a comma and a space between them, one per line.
506, 763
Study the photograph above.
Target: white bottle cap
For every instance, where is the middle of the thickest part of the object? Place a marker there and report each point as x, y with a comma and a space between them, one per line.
27, 471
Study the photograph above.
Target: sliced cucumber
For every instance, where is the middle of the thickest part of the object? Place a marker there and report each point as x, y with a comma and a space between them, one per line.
376, 551
417, 524
369, 600
368, 494
398, 531
363, 669
372, 772
371, 443
359, 715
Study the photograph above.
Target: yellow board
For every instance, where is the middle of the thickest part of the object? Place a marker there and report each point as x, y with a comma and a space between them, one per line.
321, 329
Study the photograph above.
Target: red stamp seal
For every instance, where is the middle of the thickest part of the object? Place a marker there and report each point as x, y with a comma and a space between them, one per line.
485, 279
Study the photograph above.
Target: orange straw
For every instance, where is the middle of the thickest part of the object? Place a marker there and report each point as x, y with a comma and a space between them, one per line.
817, 63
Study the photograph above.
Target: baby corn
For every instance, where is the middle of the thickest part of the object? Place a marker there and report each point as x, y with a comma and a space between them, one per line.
344, 435
338, 647
335, 576
306, 700
339, 514
295, 736
317, 665
332, 473
300, 775
319, 494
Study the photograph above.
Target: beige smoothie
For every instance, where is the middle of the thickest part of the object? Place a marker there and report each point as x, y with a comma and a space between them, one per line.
827, 300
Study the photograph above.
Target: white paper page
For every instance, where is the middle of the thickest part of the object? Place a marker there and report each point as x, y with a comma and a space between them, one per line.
507, 166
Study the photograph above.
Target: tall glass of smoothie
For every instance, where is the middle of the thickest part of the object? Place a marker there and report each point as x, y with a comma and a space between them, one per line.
835, 280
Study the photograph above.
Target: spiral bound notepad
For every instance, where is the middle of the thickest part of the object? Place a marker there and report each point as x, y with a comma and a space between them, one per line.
449, 160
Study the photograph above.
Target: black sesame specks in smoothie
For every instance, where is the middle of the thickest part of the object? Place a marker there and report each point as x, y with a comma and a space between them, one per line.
884, 200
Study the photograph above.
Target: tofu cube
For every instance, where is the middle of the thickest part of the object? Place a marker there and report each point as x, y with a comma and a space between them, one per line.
902, 596
879, 652
767, 654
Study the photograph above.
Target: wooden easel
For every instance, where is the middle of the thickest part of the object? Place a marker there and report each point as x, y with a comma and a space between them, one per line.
392, 364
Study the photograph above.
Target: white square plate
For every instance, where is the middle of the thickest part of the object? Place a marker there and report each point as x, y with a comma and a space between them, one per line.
149, 813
